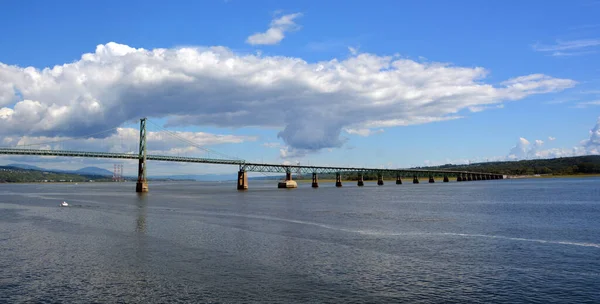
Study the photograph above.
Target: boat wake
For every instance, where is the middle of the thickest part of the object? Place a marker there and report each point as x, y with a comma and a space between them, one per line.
595, 245
388, 234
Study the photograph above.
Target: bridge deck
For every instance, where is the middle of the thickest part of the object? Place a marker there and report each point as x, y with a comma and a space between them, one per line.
251, 167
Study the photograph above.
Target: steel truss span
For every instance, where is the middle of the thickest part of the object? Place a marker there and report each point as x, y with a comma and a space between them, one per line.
271, 168
243, 166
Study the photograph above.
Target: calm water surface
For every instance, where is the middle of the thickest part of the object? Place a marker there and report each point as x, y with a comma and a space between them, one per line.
509, 241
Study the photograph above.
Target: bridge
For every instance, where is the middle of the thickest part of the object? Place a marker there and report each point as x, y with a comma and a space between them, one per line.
244, 167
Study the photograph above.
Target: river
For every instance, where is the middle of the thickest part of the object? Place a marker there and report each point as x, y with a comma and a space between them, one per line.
505, 241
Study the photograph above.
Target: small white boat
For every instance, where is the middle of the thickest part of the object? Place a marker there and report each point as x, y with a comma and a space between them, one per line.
64, 204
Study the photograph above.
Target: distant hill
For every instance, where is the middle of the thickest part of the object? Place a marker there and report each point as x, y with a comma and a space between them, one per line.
96, 171
589, 164
82, 171
92, 171
14, 174
26, 167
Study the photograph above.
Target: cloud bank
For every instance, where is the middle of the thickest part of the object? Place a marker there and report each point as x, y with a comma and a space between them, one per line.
311, 103
526, 150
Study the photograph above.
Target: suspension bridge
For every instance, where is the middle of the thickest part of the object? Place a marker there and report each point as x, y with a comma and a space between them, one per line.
244, 167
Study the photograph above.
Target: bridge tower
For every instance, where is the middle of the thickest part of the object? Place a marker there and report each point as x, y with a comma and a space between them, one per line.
142, 183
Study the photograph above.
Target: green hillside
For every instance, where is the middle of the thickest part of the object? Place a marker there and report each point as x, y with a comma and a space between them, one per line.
557, 166
18, 175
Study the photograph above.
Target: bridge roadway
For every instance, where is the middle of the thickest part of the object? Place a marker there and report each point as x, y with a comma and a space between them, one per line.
253, 167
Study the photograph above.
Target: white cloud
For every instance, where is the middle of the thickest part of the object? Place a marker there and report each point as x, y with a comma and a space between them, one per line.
587, 147
271, 145
586, 104
520, 150
568, 48
593, 143
550, 138
571, 54
311, 103
567, 45
290, 152
276, 31
363, 132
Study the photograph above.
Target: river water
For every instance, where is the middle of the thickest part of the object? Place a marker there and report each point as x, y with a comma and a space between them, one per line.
506, 241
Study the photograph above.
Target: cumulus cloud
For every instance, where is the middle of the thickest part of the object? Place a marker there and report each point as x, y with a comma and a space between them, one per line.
520, 150
524, 150
592, 144
276, 31
311, 103
550, 138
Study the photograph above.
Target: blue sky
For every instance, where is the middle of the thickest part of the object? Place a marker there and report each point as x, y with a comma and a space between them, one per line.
505, 39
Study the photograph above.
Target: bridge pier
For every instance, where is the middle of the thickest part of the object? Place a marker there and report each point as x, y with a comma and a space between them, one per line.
379, 179
415, 179
288, 183
142, 182
478, 177
469, 177
361, 180
431, 179
446, 179
338, 179
398, 180
242, 181
459, 177
315, 180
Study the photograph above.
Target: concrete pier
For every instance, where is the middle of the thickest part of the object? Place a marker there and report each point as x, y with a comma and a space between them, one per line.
469, 177
431, 179
315, 180
379, 179
288, 183
361, 180
415, 180
398, 180
446, 179
478, 176
141, 186
242, 181
459, 177
338, 179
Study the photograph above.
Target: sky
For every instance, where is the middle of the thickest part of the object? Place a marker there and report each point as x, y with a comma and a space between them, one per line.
386, 84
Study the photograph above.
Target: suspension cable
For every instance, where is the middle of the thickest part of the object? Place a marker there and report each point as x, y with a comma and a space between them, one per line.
192, 143
62, 140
